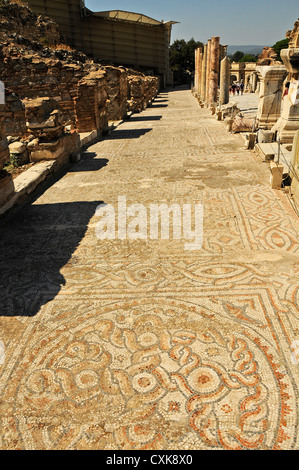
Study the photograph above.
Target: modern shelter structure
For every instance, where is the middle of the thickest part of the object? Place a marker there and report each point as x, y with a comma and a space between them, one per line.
120, 37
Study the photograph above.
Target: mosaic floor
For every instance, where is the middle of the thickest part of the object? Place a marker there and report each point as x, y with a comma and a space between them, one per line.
126, 345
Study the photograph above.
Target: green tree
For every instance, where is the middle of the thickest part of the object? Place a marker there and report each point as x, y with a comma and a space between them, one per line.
249, 58
237, 56
182, 59
283, 44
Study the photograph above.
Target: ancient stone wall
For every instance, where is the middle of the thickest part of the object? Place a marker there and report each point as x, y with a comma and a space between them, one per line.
53, 93
14, 115
32, 77
268, 57
117, 91
141, 90
293, 35
91, 103
29, 75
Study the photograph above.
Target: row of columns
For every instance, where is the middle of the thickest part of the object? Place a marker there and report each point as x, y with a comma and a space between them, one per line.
212, 68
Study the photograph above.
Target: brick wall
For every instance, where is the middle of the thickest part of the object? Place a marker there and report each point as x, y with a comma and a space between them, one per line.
91, 102
75, 85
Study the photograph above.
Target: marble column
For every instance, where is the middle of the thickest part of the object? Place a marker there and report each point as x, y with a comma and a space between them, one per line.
254, 82
199, 67
269, 109
214, 70
208, 70
222, 52
195, 72
224, 80
204, 73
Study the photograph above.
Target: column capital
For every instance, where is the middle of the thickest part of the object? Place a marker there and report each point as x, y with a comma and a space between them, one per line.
271, 72
290, 59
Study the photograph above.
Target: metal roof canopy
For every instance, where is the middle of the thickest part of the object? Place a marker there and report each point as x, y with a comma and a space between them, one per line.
130, 17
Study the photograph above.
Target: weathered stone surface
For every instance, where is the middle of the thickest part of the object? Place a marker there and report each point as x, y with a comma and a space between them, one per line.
141, 90
264, 136
17, 147
230, 110
243, 124
15, 17
276, 175
61, 149
208, 71
43, 118
269, 109
204, 73
14, 115
288, 123
6, 187
290, 56
224, 81
268, 57
117, 90
214, 70
198, 70
97, 313
19, 153
196, 74
31, 70
91, 103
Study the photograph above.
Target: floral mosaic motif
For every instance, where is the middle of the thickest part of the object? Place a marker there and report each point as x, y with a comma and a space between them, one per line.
132, 380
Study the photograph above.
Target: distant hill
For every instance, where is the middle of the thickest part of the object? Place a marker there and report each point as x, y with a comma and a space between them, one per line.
246, 49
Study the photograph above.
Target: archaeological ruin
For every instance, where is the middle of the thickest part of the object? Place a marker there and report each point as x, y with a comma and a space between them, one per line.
275, 124
118, 37
55, 95
149, 238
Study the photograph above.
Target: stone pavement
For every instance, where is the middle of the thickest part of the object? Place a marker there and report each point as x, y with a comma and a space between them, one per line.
247, 103
122, 344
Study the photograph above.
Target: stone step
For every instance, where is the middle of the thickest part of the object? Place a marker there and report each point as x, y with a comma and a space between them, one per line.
270, 152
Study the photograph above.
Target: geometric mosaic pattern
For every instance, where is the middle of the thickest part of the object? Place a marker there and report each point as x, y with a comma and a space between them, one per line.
141, 345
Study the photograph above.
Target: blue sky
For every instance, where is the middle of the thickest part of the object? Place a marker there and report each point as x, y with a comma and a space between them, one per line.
259, 22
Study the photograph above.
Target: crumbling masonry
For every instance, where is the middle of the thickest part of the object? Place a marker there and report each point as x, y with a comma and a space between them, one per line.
54, 93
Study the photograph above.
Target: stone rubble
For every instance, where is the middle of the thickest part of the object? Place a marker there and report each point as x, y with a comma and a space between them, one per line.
53, 93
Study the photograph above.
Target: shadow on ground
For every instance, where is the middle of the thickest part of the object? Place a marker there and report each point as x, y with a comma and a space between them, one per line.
145, 118
128, 133
89, 162
38, 241
159, 105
